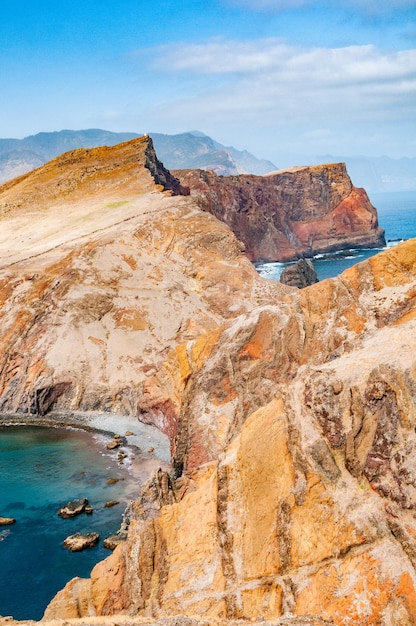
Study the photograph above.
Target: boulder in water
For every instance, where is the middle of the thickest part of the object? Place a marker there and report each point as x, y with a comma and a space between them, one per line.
81, 541
75, 507
301, 274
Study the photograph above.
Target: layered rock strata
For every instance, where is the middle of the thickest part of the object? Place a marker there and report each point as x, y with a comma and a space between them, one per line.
102, 272
291, 414
295, 448
289, 213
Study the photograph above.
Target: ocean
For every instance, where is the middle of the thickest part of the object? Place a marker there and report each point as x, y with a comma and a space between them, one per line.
41, 469
396, 214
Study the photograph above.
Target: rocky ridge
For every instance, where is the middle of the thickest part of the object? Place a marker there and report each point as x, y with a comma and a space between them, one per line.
103, 270
295, 480
291, 414
290, 213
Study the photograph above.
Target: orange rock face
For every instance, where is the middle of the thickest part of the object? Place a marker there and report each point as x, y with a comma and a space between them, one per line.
296, 444
290, 213
291, 414
100, 279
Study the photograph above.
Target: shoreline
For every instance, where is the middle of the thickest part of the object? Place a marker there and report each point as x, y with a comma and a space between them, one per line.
147, 448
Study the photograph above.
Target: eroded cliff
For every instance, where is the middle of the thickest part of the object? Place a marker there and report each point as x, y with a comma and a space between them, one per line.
295, 445
291, 414
102, 272
290, 213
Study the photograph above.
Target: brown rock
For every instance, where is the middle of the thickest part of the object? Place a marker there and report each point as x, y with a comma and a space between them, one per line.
301, 274
290, 413
301, 461
112, 445
7, 521
111, 503
113, 481
74, 318
75, 507
289, 213
81, 541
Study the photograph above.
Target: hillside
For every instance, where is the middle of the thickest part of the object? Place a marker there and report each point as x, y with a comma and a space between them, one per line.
291, 414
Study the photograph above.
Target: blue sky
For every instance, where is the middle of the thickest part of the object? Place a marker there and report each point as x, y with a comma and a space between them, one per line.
286, 79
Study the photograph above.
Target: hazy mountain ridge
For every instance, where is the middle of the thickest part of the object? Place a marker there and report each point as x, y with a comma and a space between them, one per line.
183, 151
378, 174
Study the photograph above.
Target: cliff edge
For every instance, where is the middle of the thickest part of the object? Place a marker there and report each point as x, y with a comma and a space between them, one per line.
290, 213
291, 414
103, 270
294, 493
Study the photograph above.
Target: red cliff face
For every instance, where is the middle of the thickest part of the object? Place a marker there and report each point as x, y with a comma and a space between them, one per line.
290, 213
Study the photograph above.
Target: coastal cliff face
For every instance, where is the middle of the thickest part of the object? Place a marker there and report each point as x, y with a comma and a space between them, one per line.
296, 448
102, 272
291, 414
290, 213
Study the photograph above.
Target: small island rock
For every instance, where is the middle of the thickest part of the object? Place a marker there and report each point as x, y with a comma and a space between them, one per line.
301, 274
75, 507
81, 541
7, 521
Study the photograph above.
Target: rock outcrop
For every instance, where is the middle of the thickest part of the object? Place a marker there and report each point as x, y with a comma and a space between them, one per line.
291, 413
74, 508
81, 541
295, 444
102, 272
289, 213
301, 274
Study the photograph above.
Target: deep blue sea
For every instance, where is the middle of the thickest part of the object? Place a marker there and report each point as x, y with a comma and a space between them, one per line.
396, 214
41, 469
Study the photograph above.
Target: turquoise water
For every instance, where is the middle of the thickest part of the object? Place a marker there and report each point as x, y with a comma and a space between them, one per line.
396, 214
41, 469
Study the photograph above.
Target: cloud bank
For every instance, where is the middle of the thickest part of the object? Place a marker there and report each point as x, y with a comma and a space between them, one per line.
269, 76
353, 98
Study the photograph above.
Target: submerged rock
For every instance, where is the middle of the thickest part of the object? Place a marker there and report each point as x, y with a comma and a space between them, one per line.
81, 541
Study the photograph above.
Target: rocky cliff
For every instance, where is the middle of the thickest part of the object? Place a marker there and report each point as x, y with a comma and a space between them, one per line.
291, 414
290, 213
102, 272
295, 475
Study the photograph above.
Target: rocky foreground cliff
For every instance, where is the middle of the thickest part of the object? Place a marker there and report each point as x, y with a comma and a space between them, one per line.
291, 213
291, 414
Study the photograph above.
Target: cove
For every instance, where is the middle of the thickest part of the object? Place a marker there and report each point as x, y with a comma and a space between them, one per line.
41, 469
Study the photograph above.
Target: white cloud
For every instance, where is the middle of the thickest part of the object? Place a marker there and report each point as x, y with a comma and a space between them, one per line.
272, 64
323, 95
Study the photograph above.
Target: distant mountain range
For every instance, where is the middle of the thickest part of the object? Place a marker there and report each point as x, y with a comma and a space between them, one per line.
184, 151
194, 150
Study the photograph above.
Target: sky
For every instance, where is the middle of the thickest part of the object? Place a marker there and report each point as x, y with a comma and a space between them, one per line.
288, 80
